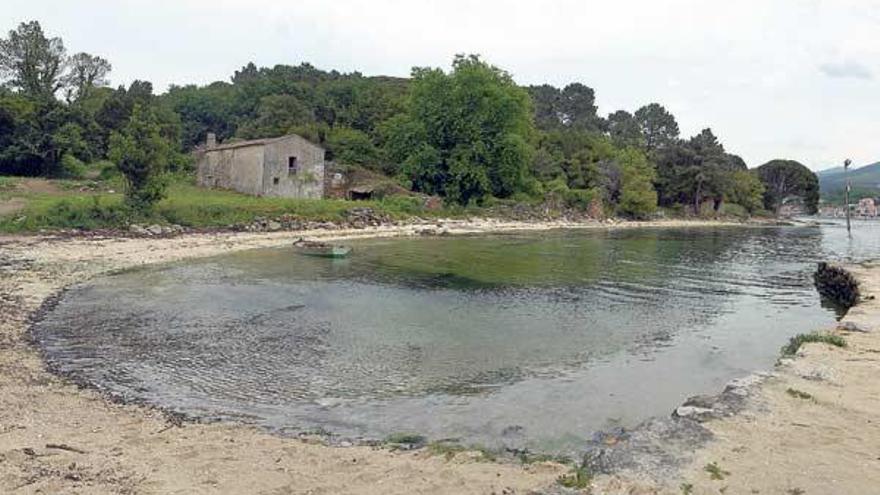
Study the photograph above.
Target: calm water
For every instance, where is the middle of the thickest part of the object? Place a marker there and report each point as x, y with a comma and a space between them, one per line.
532, 340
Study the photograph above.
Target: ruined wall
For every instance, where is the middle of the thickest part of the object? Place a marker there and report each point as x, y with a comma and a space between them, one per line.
307, 182
239, 169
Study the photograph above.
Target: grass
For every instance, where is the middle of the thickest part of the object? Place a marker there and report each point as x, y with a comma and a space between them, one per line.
7, 183
412, 439
715, 472
797, 341
185, 205
686, 488
797, 394
579, 478
450, 449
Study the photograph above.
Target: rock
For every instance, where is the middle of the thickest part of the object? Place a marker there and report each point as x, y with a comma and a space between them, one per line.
849, 326
273, 226
693, 412
433, 203
836, 285
137, 229
154, 229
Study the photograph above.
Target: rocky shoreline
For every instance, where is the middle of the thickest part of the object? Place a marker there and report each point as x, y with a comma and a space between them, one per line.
43, 407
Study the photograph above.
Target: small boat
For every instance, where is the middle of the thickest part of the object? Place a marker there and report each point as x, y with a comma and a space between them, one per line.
322, 249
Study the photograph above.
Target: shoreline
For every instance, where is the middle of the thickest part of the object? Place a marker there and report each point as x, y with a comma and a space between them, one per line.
36, 268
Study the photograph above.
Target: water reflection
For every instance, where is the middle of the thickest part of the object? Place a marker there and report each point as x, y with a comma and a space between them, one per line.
555, 333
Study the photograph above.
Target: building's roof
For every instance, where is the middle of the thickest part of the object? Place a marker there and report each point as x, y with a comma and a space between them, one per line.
257, 142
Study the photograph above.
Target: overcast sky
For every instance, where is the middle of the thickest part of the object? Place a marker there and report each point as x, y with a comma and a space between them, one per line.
796, 79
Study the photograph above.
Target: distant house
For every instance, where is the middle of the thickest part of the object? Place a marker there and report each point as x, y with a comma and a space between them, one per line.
792, 206
287, 166
866, 208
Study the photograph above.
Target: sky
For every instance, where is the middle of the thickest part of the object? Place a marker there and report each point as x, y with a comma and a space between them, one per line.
796, 79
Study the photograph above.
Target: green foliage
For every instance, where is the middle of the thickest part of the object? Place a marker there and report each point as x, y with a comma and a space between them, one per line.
699, 171
142, 155
785, 178
72, 167
467, 135
747, 190
638, 198
276, 115
658, 127
352, 147
715, 472
865, 183
797, 341
573, 107
624, 130
413, 439
190, 206
733, 210
580, 198
31, 62
470, 129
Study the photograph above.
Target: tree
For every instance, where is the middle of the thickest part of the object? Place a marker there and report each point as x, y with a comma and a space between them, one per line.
638, 198
472, 127
351, 146
574, 106
624, 129
31, 62
578, 107
658, 127
786, 178
276, 115
85, 73
747, 190
142, 154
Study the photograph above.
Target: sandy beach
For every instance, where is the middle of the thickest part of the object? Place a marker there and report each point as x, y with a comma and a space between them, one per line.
58, 438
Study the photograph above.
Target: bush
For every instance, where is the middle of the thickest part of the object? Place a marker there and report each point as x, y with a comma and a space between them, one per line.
733, 210
107, 170
71, 167
797, 341
580, 198
84, 215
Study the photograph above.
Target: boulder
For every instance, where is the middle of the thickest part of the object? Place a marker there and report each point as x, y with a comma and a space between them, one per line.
837, 285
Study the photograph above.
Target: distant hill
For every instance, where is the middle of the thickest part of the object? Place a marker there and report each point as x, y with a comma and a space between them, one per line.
865, 181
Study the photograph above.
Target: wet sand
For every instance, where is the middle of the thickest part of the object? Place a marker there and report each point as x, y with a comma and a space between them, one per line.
56, 437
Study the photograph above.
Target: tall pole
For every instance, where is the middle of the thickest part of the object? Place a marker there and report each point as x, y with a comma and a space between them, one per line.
846, 164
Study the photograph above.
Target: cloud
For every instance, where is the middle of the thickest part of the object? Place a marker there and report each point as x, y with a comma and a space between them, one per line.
847, 69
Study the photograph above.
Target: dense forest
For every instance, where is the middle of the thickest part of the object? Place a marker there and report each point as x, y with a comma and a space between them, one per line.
469, 135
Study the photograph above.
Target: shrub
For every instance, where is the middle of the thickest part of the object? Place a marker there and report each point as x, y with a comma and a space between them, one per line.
580, 198
733, 210
797, 341
71, 167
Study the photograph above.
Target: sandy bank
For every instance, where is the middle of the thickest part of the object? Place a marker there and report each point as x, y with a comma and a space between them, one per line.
811, 427
127, 449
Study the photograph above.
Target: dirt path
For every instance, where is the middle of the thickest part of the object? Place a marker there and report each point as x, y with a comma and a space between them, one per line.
57, 438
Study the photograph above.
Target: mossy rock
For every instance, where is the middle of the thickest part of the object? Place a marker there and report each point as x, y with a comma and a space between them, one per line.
837, 285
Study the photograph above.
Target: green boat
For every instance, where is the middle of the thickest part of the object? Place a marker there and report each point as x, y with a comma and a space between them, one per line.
320, 249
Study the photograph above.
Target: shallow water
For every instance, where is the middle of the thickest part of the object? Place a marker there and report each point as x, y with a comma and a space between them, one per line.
527, 340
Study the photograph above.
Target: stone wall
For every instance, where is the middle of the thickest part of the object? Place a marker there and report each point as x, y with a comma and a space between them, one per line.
307, 182
237, 168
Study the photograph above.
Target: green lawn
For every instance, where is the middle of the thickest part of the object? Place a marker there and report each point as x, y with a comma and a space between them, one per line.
62, 205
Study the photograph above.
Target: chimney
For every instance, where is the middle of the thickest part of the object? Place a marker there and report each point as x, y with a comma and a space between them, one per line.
212, 140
